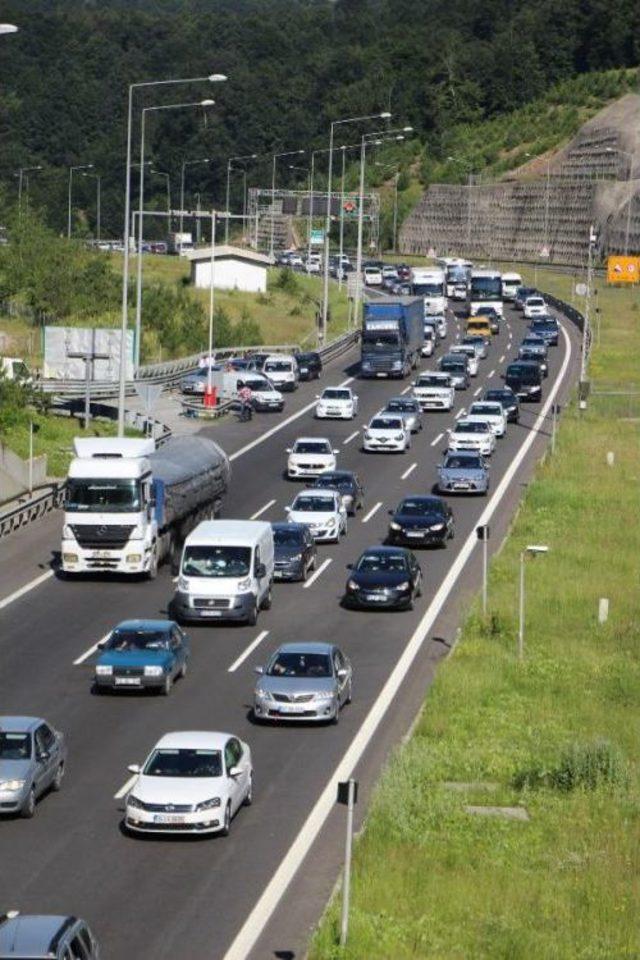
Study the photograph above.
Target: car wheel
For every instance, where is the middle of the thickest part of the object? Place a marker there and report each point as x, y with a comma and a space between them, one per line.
183, 669
268, 600
349, 697
252, 619
152, 572
452, 531
56, 783
167, 684
226, 826
304, 573
336, 717
29, 806
248, 797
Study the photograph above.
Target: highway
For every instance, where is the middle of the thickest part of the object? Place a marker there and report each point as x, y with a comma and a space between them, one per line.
223, 899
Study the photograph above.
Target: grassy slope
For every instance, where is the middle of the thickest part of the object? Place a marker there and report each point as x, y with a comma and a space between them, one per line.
430, 881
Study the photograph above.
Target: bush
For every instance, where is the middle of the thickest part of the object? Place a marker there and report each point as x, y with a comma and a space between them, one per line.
584, 766
287, 281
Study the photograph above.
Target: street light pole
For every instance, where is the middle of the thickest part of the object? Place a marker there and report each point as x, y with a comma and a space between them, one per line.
395, 213
21, 173
97, 178
276, 157
341, 252
79, 166
230, 162
185, 164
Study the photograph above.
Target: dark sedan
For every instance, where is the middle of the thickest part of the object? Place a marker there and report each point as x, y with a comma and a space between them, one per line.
508, 400
421, 521
294, 551
547, 328
142, 654
309, 365
384, 578
348, 486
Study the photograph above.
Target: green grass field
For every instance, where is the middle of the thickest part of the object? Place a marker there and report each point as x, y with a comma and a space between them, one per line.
557, 734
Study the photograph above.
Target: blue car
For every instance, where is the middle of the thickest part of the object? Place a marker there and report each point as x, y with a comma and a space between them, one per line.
463, 472
142, 654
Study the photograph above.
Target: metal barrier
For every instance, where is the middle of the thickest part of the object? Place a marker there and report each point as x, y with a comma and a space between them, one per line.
42, 503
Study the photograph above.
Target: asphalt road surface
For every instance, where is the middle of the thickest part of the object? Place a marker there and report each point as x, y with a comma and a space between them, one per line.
204, 899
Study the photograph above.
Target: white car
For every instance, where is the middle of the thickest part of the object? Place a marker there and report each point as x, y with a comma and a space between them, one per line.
535, 307
459, 292
469, 352
312, 264
282, 370
429, 342
478, 343
264, 395
386, 432
323, 511
473, 435
439, 320
338, 402
309, 457
493, 413
372, 277
191, 782
434, 391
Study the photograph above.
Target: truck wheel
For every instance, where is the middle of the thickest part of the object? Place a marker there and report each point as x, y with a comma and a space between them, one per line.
152, 572
252, 617
267, 601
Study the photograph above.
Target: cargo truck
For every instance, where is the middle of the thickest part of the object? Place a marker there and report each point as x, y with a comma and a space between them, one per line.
129, 506
392, 337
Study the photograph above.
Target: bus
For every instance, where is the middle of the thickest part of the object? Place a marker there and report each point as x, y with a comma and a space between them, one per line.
456, 273
429, 283
485, 290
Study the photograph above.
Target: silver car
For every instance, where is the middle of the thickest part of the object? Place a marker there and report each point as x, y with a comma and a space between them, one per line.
407, 408
32, 761
303, 681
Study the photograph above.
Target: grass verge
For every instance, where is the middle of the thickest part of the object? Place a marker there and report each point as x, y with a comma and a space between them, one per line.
556, 734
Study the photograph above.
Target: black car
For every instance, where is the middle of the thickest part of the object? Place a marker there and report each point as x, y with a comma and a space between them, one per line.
347, 484
309, 365
421, 521
507, 398
547, 329
492, 316
384, 578
524, 377
294, 551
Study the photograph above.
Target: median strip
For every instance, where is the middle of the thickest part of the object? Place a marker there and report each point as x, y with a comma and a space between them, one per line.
436, 440
351, 437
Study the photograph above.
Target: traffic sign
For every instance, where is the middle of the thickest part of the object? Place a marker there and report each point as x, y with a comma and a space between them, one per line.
581, 289
317, 238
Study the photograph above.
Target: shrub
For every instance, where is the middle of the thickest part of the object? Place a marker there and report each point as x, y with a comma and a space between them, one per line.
584, 766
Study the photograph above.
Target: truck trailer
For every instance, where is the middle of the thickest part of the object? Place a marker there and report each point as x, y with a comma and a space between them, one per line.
392, 337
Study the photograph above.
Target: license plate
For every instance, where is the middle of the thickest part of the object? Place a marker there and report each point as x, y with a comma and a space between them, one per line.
375, 597
417, 534
127, 681
101, 554
211, 613
168, 818
291, 708
461, 486
380, 374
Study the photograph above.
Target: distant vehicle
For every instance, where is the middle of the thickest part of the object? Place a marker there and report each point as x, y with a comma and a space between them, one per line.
387, 433
492, 413
339, 403
295, 261
372, 277
463, 473
404, 271
479, 343
257, 361
534, 348
309, 365
264, 396
535, 306
429, 343
191, 782
522, 294
282, 370
195, 383
474, 435
408, 408
295, 551
303, 681
421, 521
434, 391
323, 511
440, 321
491, 315
547, 328
479, 327
142, 655
469, 352
313, 264
511, 282
389, 275
457, 367
384, 578
485, 289
46, 937
13, 368
524, 377
508, 400
392, 337
33, 757
179, 242
429, 284
459, 292
348, 486
457, 274
310, 456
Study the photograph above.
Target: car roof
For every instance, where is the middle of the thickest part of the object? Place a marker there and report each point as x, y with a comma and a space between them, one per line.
469, 454
193, 739
402, 400
423, 499
325, 492
305, 647
337, 474
163, 625
31, 935
294, 527
311, 440
387, 551
484, 403
19, 724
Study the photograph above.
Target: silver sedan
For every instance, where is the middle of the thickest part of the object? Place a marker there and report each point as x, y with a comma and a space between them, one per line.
303, 681
407, 408
32, 761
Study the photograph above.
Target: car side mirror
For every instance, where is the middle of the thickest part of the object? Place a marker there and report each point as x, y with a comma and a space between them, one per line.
258, 670
134, 768
288, 450
349, 566
234, 772
317, 396
43, 755
342, 673
287, 509
261, 571
101, 645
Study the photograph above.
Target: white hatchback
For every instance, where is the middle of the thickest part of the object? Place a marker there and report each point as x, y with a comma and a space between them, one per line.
309, 457
372, 277
535, 307
493, 413
386, 433
473, 435
191, 782
337, 402
323, 511
469, 351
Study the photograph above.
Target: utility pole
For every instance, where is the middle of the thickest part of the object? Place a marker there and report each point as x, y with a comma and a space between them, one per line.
584, 360
88, 357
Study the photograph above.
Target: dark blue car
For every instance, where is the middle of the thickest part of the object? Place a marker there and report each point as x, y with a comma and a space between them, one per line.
142, 654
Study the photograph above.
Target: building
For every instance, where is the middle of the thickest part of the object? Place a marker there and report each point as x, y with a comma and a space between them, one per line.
235, 268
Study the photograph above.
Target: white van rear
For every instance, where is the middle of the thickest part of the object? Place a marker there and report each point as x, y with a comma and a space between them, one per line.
226, 571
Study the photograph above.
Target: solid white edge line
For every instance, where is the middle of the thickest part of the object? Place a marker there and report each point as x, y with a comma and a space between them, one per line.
316, 573
262, 510
437, 439
243, 656
257, 920
85, 656
373, 510
26, 589
125, 787
351, 437
408, 471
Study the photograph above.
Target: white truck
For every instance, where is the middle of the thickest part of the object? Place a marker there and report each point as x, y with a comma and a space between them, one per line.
429, 283
179, 242
129, 506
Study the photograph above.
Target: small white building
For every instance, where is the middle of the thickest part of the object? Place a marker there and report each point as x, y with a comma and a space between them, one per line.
235, 268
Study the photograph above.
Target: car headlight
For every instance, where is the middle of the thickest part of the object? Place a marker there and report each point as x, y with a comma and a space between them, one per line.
183, 584
295, 558
394, 526
11, 786
153, 671
405, 585
263, 695
367, 435
103, 670
134, 802
208, 804
67, 533
244, 584
352, 585
331, 522
437, 526
399, 436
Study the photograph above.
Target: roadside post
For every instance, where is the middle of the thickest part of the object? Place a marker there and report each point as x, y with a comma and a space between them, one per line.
555, 410
347, 796
482, 533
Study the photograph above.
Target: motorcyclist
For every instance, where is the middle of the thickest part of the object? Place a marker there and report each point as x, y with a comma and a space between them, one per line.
245, 396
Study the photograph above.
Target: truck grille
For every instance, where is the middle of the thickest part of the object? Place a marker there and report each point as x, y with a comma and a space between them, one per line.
102, 536
212, 603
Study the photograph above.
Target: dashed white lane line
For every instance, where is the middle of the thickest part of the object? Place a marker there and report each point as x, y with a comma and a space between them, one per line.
437, 439
461, 412
262, 510
373, 511
491, 374
85, 656
502, 358
351, 437
477, 391
26, 589
406, 390
125, 787
312, 579
408, 471
245, 653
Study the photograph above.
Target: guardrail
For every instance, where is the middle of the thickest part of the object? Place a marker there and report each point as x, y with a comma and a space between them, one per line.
33, 508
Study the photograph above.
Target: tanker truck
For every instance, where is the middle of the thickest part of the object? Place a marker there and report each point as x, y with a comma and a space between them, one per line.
129, 506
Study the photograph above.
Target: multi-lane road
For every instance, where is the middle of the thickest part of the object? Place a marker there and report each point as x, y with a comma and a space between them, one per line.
208, 899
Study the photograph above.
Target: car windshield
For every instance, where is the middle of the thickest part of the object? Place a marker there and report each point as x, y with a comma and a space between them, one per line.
535, 302
420, 507
428, 289
544, 325
15, 746
311, 446
501, 396
257, 385
212, 561
308, 503
433, 381
473, 341
453, 364
470, 426
463, 463
122, 640
524, 374
382, 563
282, 537
300, 665
335, 394
375, 338
486, 408
184, 763
86, 495
335, 480
385, 423
402, 406
279, 365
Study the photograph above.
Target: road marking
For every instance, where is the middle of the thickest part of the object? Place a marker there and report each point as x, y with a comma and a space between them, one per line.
406, 390
491, 374
351, 437
501, 358
312, 579
125, 787
461, 412
262, 510
408, 471
26, 589
262, 912
85, 656
243, 656
476, 392
373, 510
437, 439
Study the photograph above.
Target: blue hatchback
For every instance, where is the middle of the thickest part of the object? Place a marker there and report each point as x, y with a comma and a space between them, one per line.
142, 654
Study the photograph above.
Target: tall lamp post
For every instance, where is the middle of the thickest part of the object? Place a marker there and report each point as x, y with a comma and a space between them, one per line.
276, 157
533, 551
98, 179
185, 164
20, 175
78, 166
230, 162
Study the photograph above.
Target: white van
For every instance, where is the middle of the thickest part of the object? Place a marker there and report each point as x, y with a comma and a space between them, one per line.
510, 284
282, 370
226, 571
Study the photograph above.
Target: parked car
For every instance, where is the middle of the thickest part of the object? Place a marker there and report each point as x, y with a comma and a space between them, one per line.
386, 433
421, 521
294, 551
508, 401
309, 365
372, 276
46, 937
408, 408
339, 403
196, 382
475, 435
264, 396
142, 655
463, 473
348, 485
303, 681
33, 757
310, 456
322, 511
282, 370
384, 578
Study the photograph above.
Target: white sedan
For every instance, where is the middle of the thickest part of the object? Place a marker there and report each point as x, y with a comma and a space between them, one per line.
468, 351
191, 782
323, 511
473, 435
535, 307
337, 402
309, 457
386, 433
493, 413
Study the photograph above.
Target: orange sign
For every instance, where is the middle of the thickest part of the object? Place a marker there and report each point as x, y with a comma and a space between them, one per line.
623, 270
